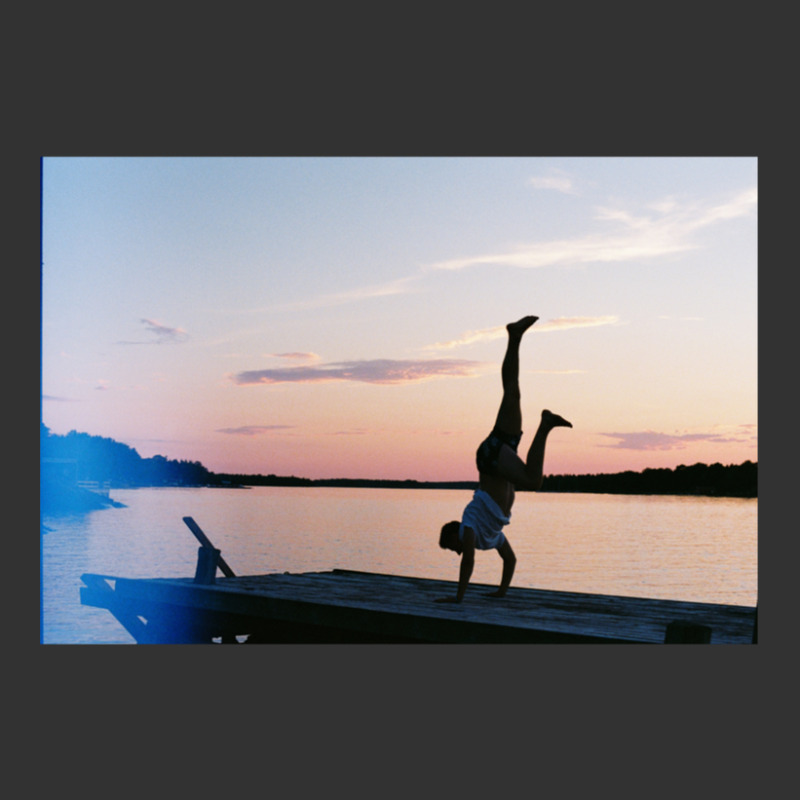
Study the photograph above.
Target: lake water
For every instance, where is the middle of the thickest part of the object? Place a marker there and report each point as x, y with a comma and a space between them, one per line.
683, 548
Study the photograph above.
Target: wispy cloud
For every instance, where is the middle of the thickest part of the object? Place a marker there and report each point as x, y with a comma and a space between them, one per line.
668, 229
296, 356
567, 323
380, 371
499, 332
471, 337
652, 440
388, 289
160, 334
559, 183
254, 430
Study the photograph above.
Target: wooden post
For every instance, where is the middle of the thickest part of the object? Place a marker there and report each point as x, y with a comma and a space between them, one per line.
206, 542
679, 632
207, 560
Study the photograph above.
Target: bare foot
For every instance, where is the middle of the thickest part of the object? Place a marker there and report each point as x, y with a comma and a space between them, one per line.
554, 420
519, 327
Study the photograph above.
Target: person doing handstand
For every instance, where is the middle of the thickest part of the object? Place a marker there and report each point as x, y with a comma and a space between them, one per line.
500, 471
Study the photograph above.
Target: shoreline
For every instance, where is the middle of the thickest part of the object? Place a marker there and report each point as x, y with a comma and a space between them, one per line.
356, 483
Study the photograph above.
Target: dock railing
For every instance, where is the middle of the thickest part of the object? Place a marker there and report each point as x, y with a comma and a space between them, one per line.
208, 557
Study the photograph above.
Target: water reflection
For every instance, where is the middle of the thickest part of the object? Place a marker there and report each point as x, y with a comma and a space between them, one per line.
701, 549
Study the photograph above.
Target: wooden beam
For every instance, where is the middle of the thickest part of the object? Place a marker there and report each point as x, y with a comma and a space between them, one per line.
206, 542
98, 593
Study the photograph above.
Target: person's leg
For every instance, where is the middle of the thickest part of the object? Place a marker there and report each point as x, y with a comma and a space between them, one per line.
509, 417
530, 474
526, 474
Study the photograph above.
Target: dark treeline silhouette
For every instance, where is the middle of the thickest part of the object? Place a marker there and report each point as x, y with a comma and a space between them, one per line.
67, 461
369, 483
76, 457
700, 479
99, 459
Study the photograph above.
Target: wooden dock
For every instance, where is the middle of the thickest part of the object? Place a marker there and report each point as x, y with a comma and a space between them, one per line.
346, 606
357, 607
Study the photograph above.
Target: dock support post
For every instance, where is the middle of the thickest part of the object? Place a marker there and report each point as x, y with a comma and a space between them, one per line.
687, 633
207, 560
206, 542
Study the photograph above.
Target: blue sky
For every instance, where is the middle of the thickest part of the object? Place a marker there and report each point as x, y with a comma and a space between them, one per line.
344, 316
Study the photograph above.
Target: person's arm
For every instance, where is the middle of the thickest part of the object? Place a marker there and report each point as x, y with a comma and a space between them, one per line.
509, 562
465, 570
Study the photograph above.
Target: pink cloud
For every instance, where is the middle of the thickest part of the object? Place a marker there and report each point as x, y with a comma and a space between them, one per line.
381, 371
164, 334
651, 440
296, 356
253, 430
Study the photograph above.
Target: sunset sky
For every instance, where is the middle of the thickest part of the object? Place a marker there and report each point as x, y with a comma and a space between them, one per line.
344, 317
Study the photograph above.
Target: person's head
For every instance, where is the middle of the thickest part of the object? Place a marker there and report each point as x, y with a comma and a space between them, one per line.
448, 538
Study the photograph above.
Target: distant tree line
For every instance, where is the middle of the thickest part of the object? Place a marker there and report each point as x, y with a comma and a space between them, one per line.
82, 457
368, 483
700, 479
97, 458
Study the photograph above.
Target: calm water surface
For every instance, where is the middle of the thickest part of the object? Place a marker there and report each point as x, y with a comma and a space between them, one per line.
683, 548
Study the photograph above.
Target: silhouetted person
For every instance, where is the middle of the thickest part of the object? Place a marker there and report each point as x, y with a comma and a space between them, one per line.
500, 470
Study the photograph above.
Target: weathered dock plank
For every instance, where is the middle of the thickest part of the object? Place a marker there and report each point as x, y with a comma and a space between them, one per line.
351, 606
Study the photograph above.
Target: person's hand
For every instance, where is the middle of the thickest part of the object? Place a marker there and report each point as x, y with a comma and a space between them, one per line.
449, 599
